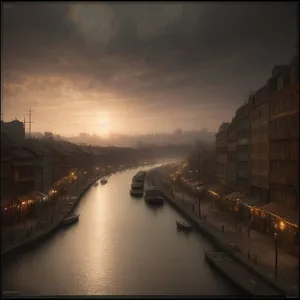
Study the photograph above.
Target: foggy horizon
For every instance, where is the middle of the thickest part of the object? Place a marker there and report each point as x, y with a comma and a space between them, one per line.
108, 68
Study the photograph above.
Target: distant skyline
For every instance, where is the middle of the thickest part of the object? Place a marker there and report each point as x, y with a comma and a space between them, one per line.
139, 68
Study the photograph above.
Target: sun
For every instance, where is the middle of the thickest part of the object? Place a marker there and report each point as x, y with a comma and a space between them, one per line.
104, 126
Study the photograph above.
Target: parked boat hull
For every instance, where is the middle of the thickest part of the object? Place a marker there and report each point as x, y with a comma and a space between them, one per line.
70, 220
184, 226
136, 193
155, 200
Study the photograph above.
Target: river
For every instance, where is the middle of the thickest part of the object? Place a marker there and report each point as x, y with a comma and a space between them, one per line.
120, 246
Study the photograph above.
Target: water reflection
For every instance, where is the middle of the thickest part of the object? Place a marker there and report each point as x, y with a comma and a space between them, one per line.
119, 246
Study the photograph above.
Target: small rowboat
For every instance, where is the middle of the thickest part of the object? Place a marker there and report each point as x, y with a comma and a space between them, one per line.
103, 181
72, 218
184, 226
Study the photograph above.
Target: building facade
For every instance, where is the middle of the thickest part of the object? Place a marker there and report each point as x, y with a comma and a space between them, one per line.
15, 129
259, 146
6, 170
231, 174
43, 169
284, 137
243, 149
221, 149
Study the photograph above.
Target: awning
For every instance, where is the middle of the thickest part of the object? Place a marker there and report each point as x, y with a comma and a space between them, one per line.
217, 189
8, 202
235, 195
251, 201
38, 196
282, 212
24, 198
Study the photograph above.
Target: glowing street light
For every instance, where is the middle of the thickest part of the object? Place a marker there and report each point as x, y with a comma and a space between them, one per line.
282, 225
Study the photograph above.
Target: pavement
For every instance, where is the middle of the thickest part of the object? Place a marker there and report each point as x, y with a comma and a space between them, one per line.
24, 231
258, 245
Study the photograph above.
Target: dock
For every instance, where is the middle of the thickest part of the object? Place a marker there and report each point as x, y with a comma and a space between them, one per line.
240, 276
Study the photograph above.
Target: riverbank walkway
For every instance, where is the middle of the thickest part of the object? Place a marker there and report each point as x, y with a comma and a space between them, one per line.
257, 250
23, 232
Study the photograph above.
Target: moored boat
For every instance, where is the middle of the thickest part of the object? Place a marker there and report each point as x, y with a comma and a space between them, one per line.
103, 181
139, 185
136, 192
96, 184
156, 200
70, 219
184, 226
138, 179
154, 196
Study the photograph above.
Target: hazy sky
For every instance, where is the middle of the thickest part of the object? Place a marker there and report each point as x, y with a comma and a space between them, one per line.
137, 68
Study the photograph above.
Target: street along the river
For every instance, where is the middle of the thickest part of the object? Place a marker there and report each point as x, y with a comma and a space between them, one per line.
119, 246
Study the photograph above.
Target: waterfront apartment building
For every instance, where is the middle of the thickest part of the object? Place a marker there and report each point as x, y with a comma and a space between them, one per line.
243, 148
259, 145
231, 175
284, 136
221, 149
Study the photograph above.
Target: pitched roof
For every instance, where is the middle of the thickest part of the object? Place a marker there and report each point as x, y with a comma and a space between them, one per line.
224, 126
53, 146
72, 148
37, 147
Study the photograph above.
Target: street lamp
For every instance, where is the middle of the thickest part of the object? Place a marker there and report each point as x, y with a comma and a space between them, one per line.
236, 210
276, 254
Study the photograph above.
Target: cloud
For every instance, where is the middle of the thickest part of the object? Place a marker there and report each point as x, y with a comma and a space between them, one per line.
142, 58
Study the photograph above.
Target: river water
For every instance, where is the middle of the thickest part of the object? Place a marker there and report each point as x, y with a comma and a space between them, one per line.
120, 246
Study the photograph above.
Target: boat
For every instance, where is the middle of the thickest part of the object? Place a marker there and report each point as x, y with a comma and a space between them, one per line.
138, 179
156, 200
183, 225
70, 219
137, 185
140, 176
96, 184
154, 196
103, 181
136, 192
